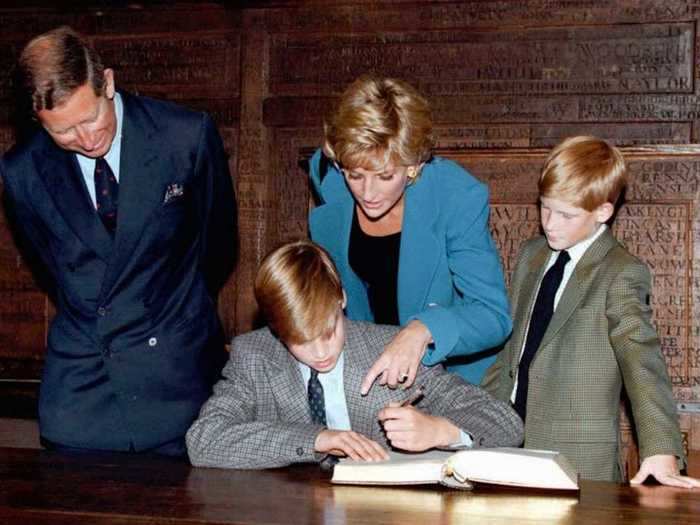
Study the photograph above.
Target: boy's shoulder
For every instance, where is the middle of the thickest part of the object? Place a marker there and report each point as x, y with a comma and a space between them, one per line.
609, 253
260, 343
533, 244
368, 338
369, 330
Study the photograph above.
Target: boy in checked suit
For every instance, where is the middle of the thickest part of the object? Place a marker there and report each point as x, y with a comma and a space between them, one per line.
582, 328
291, 392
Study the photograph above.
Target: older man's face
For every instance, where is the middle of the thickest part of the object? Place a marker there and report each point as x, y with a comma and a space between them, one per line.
85, 123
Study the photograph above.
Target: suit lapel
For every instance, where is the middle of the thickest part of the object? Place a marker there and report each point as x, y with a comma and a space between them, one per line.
358, 360
526, 296
287, 385
416, 271
63, 178
142, 182
359, 357
578, 284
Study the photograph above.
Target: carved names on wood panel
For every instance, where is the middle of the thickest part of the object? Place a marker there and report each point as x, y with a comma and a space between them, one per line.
205, 65
393, 16
659, 223
483, 136
292, 185
23, 306
256, 210
645, 58
176, 19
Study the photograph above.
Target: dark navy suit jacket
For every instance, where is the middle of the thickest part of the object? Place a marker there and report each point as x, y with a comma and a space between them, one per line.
136, 343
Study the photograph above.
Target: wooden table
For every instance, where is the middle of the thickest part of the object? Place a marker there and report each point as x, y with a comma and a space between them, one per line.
39, 487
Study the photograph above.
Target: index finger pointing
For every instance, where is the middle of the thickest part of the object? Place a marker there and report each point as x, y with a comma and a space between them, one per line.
374, 372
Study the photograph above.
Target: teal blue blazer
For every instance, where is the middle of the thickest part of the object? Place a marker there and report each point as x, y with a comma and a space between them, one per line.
450, 273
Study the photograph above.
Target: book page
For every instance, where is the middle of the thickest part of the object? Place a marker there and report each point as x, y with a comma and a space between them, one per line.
515, 466
400, 468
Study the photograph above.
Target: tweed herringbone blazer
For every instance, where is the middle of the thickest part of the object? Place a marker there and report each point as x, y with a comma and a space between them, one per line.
599, 339
259, 415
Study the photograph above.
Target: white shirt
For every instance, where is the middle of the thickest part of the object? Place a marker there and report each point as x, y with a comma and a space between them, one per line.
575, 253
337, 415
87, 165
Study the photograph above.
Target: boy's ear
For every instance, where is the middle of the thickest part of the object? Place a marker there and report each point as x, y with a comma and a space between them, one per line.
604, 212
345, 300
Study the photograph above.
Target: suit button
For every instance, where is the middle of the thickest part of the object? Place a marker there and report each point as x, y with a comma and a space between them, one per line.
300, 451
102, 311
152, 341
510, 374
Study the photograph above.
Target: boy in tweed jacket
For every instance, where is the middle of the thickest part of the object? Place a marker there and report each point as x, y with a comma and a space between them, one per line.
599, 337
260, 417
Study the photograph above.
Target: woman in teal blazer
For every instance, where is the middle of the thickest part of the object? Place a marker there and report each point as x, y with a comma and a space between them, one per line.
379, 175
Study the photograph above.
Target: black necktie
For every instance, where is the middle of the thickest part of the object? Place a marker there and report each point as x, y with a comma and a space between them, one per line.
316, 402
541, 315
106, 194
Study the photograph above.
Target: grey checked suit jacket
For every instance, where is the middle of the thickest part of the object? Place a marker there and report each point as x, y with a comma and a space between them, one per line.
600, 337
259, 416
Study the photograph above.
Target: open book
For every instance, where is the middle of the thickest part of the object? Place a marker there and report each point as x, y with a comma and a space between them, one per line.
542, 469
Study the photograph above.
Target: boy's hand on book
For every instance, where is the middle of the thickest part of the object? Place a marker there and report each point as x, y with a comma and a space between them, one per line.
664, 468
408, 428
398, 364
351, 444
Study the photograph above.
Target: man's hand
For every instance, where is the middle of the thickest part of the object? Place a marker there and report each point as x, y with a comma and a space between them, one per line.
349, 443
665, 469
401, 357
408, 428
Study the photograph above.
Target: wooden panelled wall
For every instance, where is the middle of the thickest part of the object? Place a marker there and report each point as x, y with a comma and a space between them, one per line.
506, 79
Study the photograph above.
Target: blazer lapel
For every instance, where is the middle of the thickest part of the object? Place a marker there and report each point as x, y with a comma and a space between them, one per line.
416, 271
141, 185
358, 360
363, 410
63, 178
579, 282
287, 386
526, 299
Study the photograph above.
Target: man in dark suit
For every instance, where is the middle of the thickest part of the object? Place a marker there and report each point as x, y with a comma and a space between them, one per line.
128, 203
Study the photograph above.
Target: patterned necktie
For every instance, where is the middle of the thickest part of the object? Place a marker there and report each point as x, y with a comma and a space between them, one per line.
317, 405
106, 194
541, 315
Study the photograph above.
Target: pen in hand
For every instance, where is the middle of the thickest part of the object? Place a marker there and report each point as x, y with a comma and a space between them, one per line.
417, 394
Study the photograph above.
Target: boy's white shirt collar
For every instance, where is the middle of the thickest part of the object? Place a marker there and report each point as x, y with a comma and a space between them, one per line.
577, 250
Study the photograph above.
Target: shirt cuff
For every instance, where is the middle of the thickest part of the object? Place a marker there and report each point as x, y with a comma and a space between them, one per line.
465, 441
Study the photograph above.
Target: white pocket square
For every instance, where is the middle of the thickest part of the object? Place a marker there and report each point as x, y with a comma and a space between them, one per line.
173, 191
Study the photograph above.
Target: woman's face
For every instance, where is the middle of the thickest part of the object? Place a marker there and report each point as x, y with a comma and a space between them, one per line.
377, 192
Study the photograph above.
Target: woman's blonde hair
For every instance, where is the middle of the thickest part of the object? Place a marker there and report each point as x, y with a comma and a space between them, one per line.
299, 292
585, 171
377, 121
